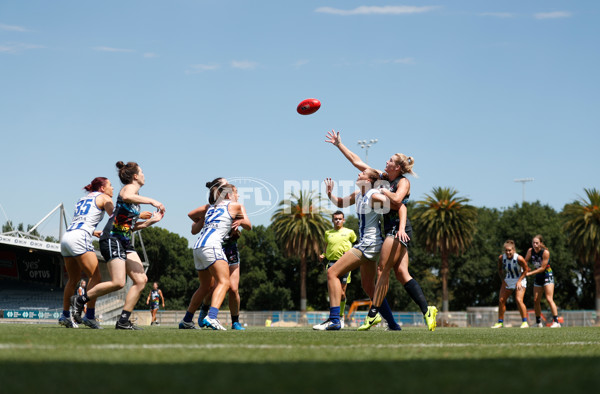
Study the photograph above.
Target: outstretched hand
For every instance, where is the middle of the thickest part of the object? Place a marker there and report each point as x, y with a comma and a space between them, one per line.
333, 137
329, 186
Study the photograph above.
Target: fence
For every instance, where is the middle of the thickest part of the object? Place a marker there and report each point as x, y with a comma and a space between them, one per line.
473, 317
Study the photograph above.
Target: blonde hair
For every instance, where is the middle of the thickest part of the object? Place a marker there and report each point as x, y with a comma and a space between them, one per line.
511, 243
406, 163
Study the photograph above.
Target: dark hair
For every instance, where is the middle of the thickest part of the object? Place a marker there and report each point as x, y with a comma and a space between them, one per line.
96, 184
127, 171
338, 212
212, 186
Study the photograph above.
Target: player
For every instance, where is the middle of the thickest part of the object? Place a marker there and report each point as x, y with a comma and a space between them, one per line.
155, 296
512, 269
77, 249
81, 291
364, 254
233, 258
337, 242
215, 222
116, 243
394, 254
544, 280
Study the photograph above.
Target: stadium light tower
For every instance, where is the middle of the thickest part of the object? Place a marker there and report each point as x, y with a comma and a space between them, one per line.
524, 181
366, 145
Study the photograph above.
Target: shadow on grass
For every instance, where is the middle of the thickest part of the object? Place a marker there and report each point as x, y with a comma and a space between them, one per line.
522, 375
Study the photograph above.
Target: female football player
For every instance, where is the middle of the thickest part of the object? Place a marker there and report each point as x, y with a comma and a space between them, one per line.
116, 243
77, 249
398, 230
512, 269
544, 280
369, 203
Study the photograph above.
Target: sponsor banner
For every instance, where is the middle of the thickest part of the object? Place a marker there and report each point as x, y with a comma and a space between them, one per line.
30, 314
30, 243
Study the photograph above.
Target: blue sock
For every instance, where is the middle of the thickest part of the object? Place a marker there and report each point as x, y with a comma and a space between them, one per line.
90, 313
213, 312
334, 314
386, 313
188, 317
500, 320
67, 314
525, 319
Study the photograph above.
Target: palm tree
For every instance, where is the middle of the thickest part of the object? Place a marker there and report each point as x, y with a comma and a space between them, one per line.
300, 225
582, 227
446, 223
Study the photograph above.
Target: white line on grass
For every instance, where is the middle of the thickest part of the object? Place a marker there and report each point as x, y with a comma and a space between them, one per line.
115, 346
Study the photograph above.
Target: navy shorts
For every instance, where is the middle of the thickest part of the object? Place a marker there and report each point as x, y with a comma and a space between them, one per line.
112, 248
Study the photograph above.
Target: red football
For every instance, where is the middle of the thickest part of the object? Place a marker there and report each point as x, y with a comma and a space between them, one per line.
308, 106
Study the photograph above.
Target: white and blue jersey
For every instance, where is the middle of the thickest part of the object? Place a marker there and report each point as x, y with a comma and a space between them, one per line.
87, 215
209, 246
217, 225
513, 271
369, 227
77, 240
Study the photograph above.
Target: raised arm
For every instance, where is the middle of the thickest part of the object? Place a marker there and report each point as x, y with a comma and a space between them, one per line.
334, 138
337, 201
129, 195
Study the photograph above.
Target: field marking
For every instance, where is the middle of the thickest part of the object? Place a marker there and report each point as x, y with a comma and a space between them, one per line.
208, 346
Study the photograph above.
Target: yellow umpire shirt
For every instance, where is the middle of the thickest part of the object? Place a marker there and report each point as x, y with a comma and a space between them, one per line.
338, 242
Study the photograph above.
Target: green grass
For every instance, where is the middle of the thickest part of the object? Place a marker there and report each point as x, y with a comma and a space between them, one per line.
48, 358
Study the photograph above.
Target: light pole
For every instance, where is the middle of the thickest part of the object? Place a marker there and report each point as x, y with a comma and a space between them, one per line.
524, 181
366, 145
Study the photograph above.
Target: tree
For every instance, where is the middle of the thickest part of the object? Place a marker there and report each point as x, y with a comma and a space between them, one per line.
264, 280
446, 224
171, 265
300, 226
582, 226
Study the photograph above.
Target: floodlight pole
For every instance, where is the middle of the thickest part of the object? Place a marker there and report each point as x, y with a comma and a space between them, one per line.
366, 145
524, 181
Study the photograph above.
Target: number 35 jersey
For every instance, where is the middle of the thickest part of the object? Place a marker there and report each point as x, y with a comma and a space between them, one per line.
217, 225
87, 214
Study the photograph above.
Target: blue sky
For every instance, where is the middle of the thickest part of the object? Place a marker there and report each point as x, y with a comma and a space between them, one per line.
478, 92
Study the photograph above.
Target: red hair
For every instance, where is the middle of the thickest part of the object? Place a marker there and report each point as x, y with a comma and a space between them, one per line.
96, 184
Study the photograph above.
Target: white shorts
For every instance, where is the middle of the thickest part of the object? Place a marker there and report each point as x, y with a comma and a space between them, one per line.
511, 284
75, 243
369, 249
205, 257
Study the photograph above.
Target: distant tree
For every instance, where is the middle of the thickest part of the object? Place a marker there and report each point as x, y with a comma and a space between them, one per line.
300, 226
474, 280
171, 265
582, 226
447, 225
265, 276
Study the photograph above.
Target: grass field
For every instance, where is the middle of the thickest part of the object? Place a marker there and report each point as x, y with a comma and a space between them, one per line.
50, 358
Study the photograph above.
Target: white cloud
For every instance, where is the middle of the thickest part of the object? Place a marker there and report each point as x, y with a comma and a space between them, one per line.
244, 64
18, 47
405, 60
150, 55
379, 10
301, 63
199, 68
499, 14
552, 15
12, 28
110, 49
